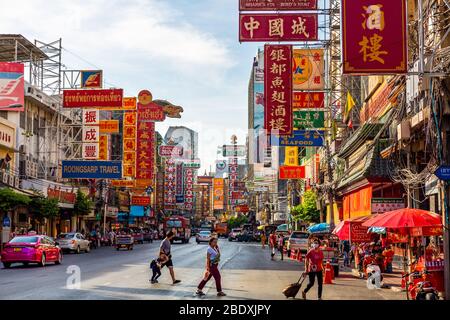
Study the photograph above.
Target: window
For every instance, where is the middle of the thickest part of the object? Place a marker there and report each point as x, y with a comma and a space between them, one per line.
35, 125
4, 114
22, 120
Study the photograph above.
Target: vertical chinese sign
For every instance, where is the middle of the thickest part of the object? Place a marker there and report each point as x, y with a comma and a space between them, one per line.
278, 89
170, 184
179, 185
374, 36
91, 134
232, 177
103, 153
189, 189
308, 69
145, 150
129, 144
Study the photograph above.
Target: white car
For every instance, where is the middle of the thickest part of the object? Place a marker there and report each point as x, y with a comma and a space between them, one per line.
73, 241
298, 240
203, 236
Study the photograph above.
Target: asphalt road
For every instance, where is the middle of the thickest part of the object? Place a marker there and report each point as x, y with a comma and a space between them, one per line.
104, 273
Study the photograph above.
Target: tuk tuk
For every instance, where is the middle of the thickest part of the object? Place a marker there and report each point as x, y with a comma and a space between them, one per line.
124, 239
329, 244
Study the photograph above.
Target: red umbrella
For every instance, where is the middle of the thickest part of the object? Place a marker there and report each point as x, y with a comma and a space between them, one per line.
342, 230
405, 218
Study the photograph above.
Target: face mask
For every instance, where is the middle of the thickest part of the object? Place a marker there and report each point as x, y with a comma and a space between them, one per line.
315, 245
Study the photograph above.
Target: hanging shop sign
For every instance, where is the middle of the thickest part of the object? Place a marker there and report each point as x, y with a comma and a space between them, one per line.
189, 189
358, 233
193, 164
151, 112
12, 86
109, 126
309, 119
308, 69
103, 152
91, 117
291, 156
278, 89
92, 79
124, 201
123, 183
277, 27
179, 179
241, 208
233, 151
140, 201
92, 98
308, 100
288, 172
380, 205
302, 138
374, 36
218, 193
170, 151
443, 173
145, 151
91, 134
129, 103
78, 169
277, 5
170, 183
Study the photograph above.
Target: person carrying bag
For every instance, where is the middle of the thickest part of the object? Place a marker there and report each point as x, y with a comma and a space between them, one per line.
212, 269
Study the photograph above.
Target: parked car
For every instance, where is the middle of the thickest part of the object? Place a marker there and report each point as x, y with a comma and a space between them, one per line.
298, 240
148, 234
234, 234
31, 249
74, 242
203, 236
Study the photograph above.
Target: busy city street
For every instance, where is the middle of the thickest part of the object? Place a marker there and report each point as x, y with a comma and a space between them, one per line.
247, 273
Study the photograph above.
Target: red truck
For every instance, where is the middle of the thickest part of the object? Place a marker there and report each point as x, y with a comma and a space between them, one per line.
180, 226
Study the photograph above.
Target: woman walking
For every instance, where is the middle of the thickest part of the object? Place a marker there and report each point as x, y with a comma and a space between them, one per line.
212, 268
314, 267
263, 239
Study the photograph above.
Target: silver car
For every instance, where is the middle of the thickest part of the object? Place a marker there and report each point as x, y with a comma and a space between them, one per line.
74, 242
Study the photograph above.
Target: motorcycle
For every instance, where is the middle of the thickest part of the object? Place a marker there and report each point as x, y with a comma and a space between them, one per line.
93, 242
419, 286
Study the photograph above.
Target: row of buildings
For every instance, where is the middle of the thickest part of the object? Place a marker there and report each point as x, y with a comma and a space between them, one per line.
380, 154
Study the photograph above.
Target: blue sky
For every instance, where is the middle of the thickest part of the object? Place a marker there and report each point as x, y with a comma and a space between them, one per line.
185, 51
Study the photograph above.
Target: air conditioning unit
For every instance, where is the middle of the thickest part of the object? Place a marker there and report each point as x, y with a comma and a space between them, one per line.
403, 130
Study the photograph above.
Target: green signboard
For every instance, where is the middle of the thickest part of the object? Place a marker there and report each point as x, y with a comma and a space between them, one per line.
309, 119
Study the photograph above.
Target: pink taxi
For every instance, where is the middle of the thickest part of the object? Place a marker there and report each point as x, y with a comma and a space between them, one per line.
31, 249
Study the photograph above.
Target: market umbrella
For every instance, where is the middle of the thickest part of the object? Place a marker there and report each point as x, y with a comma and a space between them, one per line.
320, 227
342, 230
404, 219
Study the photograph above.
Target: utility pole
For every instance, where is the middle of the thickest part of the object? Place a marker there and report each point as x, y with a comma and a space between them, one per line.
330, 189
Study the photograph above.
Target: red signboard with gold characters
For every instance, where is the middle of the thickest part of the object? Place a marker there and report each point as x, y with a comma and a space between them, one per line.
374, 36
277, 27
145, 152
278, 89
277, 5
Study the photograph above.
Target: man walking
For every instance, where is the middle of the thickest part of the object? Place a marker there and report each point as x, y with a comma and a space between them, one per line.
272, 244
164, 248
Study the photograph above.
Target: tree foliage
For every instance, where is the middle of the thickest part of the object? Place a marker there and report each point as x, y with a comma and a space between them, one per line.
236, 222
83, 204
307, 211
43, 207
10, 200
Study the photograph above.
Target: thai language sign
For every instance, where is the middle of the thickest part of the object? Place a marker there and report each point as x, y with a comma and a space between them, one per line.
78, 169
12, 86
302, 138
306, 100
123, 183
374, 36
109, 126
277, 27
309, 119
292, 172
170, 151
95, 98
277, 5
308, 69
61, 196
358, 233
278, 89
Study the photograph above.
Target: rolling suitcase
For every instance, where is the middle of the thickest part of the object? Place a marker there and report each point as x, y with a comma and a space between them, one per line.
292, 290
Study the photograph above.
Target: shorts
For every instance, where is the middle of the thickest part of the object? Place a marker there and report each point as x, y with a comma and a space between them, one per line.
169, 263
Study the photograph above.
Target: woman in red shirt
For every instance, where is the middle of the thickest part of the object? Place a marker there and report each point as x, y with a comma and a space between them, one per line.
314, 268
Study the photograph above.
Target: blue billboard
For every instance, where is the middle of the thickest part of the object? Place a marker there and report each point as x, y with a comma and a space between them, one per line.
300, 138
79, 169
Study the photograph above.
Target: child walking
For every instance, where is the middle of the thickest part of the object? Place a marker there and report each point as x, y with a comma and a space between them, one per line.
156, 265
